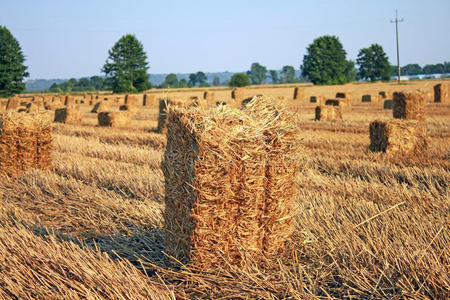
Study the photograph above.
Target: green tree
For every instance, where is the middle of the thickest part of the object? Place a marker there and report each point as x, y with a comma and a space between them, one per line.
373, 64
126, 67
350, 71
257, 73
200, 78
411, 69
171, 80
12, 68
183, 83
216, 81
239, 80
192, 79
287, 74
274, 76
325, 61
447, 67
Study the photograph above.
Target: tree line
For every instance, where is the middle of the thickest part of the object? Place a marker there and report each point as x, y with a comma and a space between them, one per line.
125, 69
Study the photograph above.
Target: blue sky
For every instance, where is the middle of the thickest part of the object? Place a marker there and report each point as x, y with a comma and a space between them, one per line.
63, 39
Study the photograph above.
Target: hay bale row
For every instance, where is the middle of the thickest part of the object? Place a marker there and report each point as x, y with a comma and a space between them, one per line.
328, 113
25, 142
68, 115
441, 93
114, 119
209, 97
230, 183
409, 106
149, 100
398, 137
366, 98
131, 100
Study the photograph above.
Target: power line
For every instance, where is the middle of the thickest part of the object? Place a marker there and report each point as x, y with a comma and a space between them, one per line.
396, 21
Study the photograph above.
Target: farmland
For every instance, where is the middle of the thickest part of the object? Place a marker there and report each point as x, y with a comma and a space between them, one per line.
367, 225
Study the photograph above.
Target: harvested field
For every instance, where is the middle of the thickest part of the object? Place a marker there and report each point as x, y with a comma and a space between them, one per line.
367, 225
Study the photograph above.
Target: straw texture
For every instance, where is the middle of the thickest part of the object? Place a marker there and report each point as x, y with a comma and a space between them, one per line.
25, 142
441, 92
68, 115
229, 180
409, 106
328, 113
114, 119
398, 137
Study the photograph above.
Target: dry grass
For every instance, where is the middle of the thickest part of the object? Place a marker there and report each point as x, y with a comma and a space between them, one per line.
368, 226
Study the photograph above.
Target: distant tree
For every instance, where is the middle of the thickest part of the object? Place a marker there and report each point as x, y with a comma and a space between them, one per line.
183, 83
447, 67
192, 79
171, 80
411, 69
204, 84
126, 67
12, 68
97, 83
200, 77
287, 74
325, 61
373, 63
274, 76
350, 71
257, 73
216, 81
239, 80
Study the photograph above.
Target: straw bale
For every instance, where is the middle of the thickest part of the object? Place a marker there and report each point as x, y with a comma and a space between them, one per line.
366, 98
299, 93
87, 97
409, 106
13, 103
22, 109
114, 119
346, 95
164, 104
131, 108
210, 97
149, 100
238, 94
332, 102
131, 100
101, 106
68, 115
33, 107
388, 104
328, 113
441, 92
229, 183
245, 102
25, 142
69, 100
313, 99
398, 137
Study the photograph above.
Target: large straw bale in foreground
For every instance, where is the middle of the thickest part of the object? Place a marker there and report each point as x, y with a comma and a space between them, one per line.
25, 142
114, 119
441, 93
229, 183
328, 113
68, 115
163, 108
403, 137
409, 106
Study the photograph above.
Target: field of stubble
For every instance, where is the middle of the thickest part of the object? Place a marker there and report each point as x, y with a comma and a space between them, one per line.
368, 226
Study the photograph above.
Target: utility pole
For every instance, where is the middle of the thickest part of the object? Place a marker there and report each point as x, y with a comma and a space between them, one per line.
396, 21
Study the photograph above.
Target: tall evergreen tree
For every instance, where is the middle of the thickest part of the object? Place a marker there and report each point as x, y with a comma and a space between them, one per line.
126, 67
12, 68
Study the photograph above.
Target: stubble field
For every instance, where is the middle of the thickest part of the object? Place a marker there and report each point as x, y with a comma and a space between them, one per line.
367, 225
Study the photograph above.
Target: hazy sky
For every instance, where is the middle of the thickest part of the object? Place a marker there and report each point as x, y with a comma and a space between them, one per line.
63, 39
